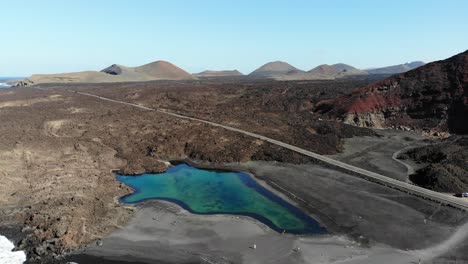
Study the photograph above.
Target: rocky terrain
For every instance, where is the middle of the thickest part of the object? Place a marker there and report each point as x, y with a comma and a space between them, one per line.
158, 70
281, 110
57, 147
445, 165
432, 98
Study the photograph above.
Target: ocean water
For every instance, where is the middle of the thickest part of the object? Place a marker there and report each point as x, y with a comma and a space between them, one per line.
219, 192
4, 80
4, 85
7, 256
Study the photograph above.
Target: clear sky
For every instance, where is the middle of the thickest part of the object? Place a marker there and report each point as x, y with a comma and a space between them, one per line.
62, 36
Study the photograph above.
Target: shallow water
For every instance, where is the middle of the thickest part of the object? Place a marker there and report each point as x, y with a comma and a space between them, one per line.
219, 192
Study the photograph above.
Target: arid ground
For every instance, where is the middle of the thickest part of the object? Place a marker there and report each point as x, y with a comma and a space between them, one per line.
58, 148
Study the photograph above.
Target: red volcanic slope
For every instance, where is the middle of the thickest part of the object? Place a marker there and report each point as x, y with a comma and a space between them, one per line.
432, 96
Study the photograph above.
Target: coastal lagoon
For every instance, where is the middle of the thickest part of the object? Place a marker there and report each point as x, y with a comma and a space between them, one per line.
203, 191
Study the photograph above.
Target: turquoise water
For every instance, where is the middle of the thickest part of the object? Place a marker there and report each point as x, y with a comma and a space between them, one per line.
219, 192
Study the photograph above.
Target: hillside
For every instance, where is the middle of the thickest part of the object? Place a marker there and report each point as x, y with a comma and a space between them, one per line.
209, 73
336, 70
395, 69
163, 70
447, 169
275, 69
433, 97
159, 70
343, 67
325, 72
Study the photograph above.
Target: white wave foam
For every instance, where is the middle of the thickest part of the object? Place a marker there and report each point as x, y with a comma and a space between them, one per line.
4, 85
7, 256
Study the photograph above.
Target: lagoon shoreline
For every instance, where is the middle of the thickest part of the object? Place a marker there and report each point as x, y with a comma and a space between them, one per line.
226, 239
247, 181
160, 226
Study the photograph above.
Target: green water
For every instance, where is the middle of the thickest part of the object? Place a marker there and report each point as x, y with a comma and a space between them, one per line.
215, 192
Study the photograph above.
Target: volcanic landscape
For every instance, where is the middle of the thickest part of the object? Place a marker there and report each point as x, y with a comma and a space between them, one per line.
62, 143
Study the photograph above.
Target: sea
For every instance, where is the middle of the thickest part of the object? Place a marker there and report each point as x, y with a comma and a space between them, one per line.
7, 256
4, 85
4, 81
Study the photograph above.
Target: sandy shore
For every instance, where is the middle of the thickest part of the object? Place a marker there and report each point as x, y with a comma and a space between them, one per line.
162, 232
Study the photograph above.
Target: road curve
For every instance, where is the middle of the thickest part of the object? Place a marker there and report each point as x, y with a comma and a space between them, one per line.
365, 174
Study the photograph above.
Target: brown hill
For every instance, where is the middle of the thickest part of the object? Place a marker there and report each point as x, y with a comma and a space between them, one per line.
344, 67
159, 70
163, 70
325, 70
218, 73
338, 70
276, 70
433, 97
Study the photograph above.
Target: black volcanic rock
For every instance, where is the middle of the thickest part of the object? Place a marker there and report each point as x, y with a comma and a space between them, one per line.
448, 165
114, 69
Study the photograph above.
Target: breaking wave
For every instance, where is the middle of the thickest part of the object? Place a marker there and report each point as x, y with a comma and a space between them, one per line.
7, 256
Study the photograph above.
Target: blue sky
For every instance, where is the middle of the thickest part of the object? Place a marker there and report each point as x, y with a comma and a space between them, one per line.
63, 36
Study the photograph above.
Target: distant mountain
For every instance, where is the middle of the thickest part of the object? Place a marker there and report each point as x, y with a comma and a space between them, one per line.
325, 69
336, 70
283, 71
326, 72
276, 70
344, 67
218, 73
158, 70
433, 97
395, 69
162, 70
